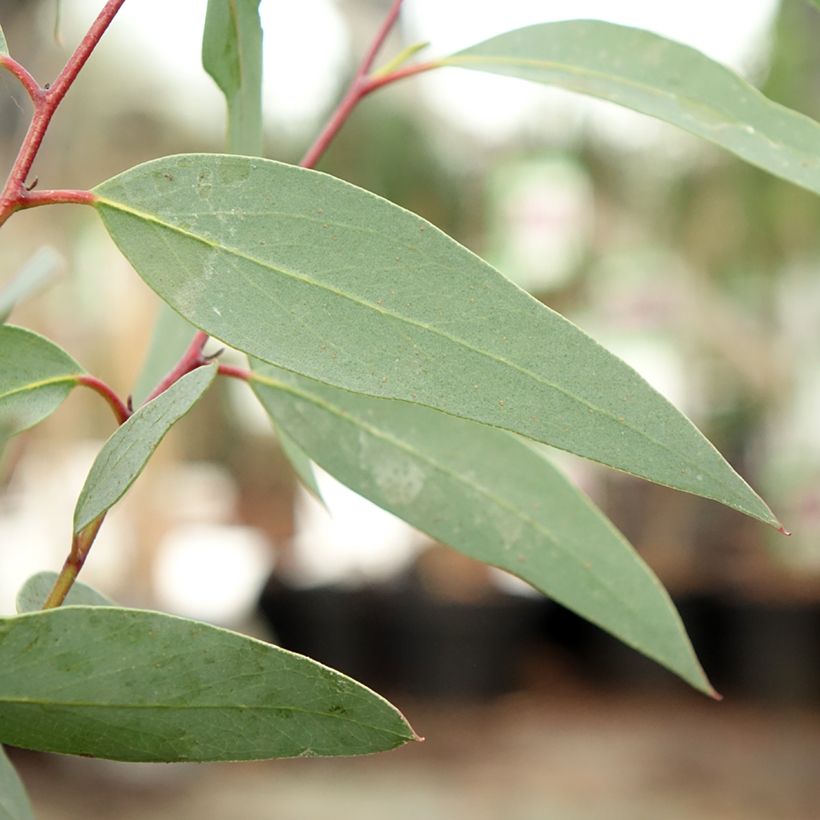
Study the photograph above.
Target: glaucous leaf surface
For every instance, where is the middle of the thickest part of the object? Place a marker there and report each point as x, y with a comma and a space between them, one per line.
662, 78
126, 453
33, 594
34, 275
126, 684
4, 49
489, 495
14, 802
232, 55
320, 277
35, 377
171, 337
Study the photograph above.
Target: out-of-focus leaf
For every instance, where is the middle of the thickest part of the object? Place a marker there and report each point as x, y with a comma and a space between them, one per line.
232, 55
126, 453
14, 802
320, 277
4, 48
35, 377
490, 496
170, 339
33, 594
132, 685
32, 277
667, 80
299, 461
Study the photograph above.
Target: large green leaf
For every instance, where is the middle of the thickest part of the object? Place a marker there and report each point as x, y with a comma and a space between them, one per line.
35, 590
664, 79
14, 802
132, 685
35, 377
315, 275
299, 460
126, 453
490, 496
232, 55
34, 275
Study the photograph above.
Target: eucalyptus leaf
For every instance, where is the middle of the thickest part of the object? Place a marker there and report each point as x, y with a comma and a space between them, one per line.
35, 590
302, 465
171, 337
489, 495
35, 377
126, 684
662, 78
4, 48
232, 55
14, 802
315, 275
32, 277
126, 453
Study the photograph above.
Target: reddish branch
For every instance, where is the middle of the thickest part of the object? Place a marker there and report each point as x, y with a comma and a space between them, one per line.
361, 85
117, 405
191, 360
46, 100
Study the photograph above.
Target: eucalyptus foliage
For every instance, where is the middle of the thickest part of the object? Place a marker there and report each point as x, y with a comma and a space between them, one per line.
384, 351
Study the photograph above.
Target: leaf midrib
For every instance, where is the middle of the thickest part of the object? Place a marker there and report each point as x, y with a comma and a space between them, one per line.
479, 489
29, 386
71, 704
458, 61
153, 219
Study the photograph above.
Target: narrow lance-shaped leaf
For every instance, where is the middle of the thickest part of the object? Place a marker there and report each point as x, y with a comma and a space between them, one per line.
126, 684
320, 277
4, 48
35, 377
35, 590
667, 80
487, 494
32, 277
126, 453
170, 339
232, 55
14, 802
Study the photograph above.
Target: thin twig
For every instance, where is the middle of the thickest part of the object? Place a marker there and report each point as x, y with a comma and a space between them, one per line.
117, 405
191, 359
46, 102
26, 79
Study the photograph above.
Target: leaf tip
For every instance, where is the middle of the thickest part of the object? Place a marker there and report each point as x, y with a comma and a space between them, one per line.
783, 531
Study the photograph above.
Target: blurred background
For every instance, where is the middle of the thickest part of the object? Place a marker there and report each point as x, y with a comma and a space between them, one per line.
698, 270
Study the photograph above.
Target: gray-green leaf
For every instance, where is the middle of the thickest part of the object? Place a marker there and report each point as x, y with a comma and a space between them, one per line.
299, 460
14, 802
124, 455
664, 79
32, 277
4, 48
488, 495
126, 684
232, 55
35, 590
35, 377
170, 339
320, 277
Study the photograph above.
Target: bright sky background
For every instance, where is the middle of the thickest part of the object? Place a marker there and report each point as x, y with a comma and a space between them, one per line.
307, 49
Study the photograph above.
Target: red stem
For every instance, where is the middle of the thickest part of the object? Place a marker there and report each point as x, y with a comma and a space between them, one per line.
191, 360
378, 40
116, 404
28, 82
46, 102
360, 86
233, 372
